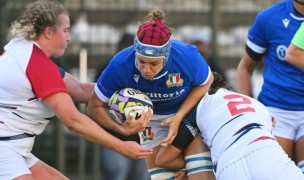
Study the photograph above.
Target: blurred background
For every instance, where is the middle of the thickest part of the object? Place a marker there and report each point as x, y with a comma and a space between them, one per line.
98, 25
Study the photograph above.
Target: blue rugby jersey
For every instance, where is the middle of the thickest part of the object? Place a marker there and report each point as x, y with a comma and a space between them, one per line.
185, 69
271, 33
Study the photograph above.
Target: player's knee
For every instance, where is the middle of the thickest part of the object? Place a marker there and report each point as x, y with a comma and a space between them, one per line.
198, 163
161, 161
161, 173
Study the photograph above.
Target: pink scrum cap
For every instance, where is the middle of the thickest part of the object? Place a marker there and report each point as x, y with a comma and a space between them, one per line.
153, 39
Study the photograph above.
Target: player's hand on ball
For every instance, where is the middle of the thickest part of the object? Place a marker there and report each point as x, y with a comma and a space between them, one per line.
133, 150
133, 125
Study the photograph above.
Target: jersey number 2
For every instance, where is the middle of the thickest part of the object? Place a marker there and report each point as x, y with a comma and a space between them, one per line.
242, 102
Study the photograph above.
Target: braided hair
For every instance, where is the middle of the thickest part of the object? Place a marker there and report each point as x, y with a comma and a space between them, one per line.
36, 17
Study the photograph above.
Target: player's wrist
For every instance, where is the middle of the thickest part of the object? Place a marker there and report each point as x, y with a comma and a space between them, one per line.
123, 130
178, 117
119, 146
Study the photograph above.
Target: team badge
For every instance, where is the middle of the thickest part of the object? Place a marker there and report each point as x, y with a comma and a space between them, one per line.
174, 80
281, 52
147, 134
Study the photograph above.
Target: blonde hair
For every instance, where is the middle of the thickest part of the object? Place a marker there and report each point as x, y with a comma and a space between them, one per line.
155, 14
36, 17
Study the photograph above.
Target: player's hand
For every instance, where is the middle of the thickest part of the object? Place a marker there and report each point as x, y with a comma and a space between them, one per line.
132, 126
133, 150
181, 175
173, 124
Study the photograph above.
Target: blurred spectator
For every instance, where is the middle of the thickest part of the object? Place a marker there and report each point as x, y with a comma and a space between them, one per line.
80, 31
201, 39
114, 166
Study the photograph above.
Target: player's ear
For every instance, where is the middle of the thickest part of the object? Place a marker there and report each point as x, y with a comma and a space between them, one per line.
47, 32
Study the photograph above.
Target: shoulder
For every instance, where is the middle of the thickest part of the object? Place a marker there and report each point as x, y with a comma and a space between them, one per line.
186, 55
121, 65
181, 50
123, 60
186, 59
124, 56
24, 47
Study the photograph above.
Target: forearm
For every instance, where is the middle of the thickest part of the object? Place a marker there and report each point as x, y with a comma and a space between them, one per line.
102, 117
295, 56
87, 89
80, 92
244, 73
243, 82
133, 137
91, 131
98, 111
63, 107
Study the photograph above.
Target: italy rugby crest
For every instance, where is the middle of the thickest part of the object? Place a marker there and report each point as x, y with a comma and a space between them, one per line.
174, 80
147, 134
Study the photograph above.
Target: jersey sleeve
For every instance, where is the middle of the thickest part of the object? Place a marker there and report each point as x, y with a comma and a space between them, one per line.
44, 75
201, 69
116, 74
108, 82
256, 39
298, 39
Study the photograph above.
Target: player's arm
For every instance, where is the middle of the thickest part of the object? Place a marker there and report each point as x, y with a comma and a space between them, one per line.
63, 107
295, 56
98, 110
192, 99
244, 73
80, 92
295, 51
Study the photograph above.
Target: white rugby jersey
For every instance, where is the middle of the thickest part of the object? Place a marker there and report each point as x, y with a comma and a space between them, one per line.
232, 124
27, 75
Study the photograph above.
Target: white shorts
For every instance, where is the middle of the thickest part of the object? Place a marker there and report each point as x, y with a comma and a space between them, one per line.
12, 164
288, 124
153, 135
270, 163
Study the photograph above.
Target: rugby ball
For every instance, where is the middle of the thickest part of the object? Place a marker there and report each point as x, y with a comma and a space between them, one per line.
123, 101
